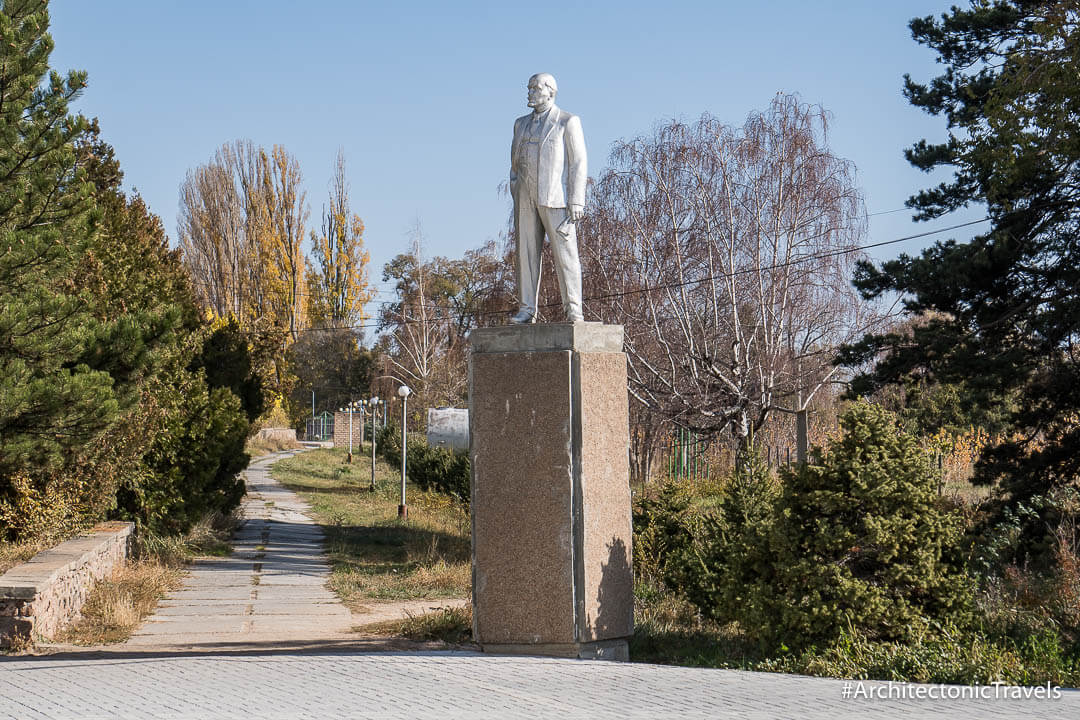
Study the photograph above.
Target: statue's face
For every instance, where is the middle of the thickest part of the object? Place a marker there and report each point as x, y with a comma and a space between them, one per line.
539, 94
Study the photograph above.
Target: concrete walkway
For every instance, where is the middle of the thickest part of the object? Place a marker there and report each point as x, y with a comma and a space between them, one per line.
272, 589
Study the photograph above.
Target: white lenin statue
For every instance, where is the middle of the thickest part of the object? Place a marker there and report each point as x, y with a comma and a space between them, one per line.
547, 181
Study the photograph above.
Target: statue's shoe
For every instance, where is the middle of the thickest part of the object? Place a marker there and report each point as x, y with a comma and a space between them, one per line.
524, 316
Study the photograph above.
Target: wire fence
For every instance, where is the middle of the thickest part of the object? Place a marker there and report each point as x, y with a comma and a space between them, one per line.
687, 455
320, 427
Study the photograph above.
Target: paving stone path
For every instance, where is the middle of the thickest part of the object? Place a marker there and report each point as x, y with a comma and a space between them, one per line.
226, 647
441, 686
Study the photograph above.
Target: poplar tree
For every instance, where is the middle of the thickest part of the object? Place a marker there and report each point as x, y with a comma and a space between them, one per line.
338, 271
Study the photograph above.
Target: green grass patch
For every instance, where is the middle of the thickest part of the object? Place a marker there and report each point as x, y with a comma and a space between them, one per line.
373, 553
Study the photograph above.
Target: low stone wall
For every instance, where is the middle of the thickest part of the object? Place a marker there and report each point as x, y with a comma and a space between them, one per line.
284, 435
41, 596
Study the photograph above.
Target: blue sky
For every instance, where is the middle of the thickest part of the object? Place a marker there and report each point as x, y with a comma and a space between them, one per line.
422, 95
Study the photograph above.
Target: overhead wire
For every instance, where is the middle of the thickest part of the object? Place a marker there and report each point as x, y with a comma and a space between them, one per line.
673, 285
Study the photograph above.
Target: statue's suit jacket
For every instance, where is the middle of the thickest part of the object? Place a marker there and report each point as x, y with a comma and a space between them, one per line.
562, 159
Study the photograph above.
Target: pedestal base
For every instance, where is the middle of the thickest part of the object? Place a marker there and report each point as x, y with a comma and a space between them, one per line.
618, 650
550, 490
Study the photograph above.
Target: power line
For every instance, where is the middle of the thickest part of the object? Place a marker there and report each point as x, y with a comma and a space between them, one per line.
696, 281
887, 212
393, 293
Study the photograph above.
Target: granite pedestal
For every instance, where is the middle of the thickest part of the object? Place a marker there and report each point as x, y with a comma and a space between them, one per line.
550, 490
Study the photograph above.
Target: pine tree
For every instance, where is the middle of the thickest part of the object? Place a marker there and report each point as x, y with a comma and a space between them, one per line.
51, 399
1004, 307
102, 345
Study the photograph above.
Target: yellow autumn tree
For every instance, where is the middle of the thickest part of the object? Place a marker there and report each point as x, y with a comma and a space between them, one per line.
242, 223
277, 218
338, 284
242, 226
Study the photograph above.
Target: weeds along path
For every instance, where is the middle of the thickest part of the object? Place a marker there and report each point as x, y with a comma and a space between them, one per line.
271, 591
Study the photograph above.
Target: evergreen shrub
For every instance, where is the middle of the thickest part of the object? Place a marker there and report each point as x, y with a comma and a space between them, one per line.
429, 468
667, 526
856, 540
728, 569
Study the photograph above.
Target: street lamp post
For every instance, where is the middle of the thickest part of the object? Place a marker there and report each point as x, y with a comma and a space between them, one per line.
403, 392
350, 409
374, 403
348, 458
363, 403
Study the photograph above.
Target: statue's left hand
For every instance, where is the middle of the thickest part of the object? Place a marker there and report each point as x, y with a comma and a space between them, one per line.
576, 213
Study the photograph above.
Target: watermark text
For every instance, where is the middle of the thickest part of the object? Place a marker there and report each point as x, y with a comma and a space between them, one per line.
861, 690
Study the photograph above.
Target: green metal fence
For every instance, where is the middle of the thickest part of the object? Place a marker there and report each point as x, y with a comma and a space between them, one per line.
320, 427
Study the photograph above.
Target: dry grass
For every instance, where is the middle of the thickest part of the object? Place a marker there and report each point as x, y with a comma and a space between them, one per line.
374, 554
258, 447
118, 604
209, 537
450, 625
18, 644
963, 491
12, 554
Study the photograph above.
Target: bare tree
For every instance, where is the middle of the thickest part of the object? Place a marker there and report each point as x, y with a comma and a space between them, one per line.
420, 338
438, 302
212, 233
417, 334
727, 255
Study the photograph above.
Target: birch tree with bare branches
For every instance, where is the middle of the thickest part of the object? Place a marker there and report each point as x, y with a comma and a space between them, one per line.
417, 333
438, 302
727, 253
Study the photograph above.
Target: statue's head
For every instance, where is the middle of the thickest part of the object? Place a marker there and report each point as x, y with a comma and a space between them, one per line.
542, 90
